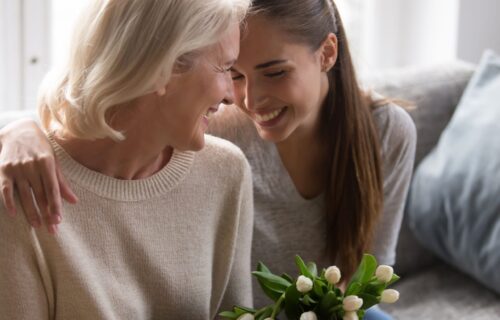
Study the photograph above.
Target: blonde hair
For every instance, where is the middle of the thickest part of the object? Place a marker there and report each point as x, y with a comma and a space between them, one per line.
123, 49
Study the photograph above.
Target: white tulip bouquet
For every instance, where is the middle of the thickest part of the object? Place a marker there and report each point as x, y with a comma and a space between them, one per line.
312, 296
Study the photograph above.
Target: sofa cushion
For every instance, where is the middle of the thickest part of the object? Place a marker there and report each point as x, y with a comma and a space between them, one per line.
454, 203
442, 293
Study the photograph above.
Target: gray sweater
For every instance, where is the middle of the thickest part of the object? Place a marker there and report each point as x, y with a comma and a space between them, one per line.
286, 224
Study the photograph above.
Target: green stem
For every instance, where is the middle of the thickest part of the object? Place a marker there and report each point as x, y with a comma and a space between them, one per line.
277, 305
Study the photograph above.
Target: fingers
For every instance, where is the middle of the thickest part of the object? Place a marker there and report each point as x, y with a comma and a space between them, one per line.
39, 194
28, 204
48, 175
8, 197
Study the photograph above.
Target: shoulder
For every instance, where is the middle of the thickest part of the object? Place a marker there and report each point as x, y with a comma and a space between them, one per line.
395, 127
224, 155
232, 124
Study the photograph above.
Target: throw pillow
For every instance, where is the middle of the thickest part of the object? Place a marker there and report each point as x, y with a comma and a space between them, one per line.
454, 201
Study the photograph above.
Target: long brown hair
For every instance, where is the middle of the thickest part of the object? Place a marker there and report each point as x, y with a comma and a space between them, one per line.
354, 191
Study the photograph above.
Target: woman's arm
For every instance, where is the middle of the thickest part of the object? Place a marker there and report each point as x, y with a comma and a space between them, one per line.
28, 167
398, 143
239, 287
23, 294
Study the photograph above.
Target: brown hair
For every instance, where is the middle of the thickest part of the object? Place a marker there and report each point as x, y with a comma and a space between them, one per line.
354, 191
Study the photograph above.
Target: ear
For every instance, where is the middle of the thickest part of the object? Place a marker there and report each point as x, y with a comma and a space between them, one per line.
160, 88
328, 52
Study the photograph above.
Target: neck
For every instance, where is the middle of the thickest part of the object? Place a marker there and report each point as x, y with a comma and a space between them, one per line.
130, 159
305, 156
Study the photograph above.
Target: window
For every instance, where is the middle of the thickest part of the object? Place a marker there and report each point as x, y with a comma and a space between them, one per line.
34, 36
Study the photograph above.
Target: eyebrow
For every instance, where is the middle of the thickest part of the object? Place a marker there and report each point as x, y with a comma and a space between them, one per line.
269, 63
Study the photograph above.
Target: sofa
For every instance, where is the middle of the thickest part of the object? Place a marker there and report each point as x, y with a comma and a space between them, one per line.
430, 288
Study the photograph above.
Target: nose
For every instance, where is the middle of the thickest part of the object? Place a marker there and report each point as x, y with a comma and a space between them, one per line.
229, 96
251, 97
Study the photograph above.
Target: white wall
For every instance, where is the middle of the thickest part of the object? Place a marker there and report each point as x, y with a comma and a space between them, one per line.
63, 17
479, 28
400, 33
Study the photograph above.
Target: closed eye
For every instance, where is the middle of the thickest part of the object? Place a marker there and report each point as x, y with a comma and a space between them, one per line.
275, 74
236, 75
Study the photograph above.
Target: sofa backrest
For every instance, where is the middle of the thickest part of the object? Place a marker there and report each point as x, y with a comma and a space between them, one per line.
435, 91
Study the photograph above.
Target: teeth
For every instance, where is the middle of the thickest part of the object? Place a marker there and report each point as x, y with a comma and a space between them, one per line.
210, 113
269, 116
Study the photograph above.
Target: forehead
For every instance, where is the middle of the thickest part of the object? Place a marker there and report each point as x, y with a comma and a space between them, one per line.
264, 40
228, 46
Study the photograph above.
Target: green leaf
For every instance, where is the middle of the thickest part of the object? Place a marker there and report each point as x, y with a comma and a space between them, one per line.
287, 277
366, 269
394, 278
262, 267
369, 300
308, 301
303, 268
272, 285
363, 274
272, 281
311, 266
274, 295
292, 303
327, 302
374, 288
229, 315
319, 288
243, 310
264, 313
353, 289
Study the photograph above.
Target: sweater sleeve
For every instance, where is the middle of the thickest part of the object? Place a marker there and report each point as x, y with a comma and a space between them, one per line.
239, 288
398, 142
22, 293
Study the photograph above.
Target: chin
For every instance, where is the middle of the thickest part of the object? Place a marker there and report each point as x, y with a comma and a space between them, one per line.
273, 137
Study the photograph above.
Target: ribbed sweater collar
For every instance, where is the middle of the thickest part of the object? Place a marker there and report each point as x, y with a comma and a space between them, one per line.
126, 190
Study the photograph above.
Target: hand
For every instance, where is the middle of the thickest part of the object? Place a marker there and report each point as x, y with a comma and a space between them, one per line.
29, 167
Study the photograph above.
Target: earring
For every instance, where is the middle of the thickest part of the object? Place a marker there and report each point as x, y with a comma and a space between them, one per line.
161, 91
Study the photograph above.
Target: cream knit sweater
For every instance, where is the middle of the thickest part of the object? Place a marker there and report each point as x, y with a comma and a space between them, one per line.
173, 246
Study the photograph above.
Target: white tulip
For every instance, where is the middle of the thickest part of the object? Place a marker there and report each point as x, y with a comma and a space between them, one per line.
308, 316
246, 316
384, 273
352, 303
332, 275
389, 296
350, 315
304, 284
268, 319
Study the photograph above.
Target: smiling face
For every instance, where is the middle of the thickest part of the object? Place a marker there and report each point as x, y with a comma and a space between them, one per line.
183, 111
280, 82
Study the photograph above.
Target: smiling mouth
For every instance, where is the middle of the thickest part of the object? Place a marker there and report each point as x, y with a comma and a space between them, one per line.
269, 117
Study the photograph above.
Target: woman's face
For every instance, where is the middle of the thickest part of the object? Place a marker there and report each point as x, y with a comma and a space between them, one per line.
279, 82
191, 97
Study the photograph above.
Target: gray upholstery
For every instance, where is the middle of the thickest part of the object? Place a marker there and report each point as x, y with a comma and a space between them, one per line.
430, 289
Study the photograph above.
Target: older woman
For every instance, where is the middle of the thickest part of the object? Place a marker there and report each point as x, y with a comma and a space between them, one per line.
160, 231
